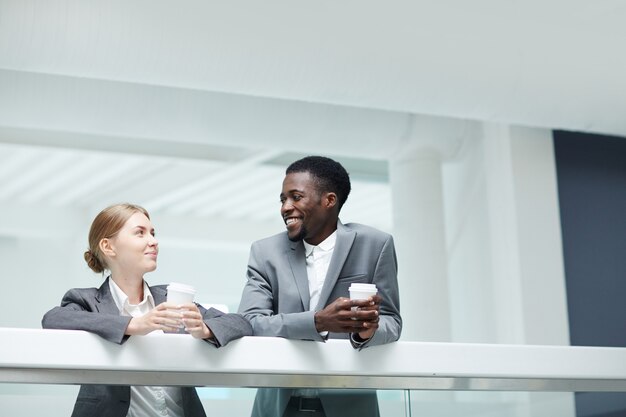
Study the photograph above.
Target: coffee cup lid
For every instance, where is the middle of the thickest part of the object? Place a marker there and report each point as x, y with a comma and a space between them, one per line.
176, 286
358, 286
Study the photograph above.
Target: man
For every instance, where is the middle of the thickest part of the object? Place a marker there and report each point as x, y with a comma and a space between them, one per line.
298, 283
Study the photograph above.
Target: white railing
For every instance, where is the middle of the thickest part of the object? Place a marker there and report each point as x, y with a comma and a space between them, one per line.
75, 357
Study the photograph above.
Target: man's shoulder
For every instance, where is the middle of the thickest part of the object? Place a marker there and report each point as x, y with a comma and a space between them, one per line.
279, 239
366, 231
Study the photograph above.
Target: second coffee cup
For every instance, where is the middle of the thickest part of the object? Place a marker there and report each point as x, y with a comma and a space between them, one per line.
180, 293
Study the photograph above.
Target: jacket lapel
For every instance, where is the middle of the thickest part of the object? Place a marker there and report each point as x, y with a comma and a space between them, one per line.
343, 244
159, 294
297, 261
106, 304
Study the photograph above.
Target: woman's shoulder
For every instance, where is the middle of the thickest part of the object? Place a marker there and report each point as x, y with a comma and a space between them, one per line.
88, 292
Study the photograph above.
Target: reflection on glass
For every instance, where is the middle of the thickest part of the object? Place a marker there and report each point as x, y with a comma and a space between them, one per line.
27, 400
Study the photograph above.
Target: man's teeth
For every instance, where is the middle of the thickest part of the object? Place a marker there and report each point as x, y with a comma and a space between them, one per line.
290, 221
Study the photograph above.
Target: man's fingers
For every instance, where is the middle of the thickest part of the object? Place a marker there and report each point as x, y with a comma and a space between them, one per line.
365, 315
340, 304
368, 302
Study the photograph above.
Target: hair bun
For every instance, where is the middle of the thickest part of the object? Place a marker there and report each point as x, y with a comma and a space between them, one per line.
93, 262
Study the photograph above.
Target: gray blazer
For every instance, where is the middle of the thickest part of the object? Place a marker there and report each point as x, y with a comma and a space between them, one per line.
95, 311
276, 299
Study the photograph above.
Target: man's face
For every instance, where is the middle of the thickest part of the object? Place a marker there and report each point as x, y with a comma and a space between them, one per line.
303, 210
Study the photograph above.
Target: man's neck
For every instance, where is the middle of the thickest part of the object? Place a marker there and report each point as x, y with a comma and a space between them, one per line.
328, 230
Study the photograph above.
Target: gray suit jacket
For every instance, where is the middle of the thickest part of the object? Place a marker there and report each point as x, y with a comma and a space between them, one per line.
94, 310
276, 299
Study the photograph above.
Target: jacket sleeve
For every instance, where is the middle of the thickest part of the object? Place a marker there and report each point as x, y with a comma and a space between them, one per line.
78, 312
225, 327
386, 280
259, 305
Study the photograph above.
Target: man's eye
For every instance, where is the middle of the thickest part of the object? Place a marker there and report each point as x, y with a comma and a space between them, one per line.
297, 197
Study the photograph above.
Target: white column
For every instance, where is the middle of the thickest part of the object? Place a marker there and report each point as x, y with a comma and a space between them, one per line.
530, 304
418, 221
525, 236
420, 243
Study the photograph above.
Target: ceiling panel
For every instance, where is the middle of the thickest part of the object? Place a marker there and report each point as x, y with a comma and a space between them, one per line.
246, 190
504, 61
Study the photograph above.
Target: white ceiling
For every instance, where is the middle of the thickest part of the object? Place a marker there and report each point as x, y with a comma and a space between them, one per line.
556, 63
194, 108
85, 181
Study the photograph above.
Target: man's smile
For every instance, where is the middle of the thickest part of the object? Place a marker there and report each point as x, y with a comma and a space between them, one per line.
289, 221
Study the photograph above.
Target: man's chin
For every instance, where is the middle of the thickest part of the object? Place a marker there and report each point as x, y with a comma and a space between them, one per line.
297, 237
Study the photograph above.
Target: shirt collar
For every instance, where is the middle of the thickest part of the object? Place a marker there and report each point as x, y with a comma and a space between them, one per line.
326, 245
121, 299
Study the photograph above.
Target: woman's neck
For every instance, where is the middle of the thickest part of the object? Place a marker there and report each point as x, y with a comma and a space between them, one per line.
131, 285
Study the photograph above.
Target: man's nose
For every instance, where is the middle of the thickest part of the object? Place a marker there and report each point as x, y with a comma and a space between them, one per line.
286, 207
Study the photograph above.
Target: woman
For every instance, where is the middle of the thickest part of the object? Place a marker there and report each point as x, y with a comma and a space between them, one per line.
122, 241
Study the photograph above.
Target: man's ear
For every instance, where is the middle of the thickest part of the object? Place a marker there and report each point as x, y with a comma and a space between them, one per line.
330, 200
106, 247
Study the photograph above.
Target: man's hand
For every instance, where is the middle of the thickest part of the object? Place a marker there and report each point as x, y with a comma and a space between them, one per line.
371, 325
338, 316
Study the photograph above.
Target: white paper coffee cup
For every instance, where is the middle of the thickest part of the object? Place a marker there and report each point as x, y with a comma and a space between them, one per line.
180, 293
359, 291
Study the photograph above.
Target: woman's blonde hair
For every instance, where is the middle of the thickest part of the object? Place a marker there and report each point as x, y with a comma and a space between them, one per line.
105, 226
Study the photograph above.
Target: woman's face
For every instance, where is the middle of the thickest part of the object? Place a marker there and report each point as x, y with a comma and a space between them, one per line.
135, 248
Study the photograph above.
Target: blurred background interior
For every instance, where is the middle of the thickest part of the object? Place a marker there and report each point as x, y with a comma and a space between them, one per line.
487, 137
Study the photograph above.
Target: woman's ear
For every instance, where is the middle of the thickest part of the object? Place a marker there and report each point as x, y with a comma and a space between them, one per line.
106, 247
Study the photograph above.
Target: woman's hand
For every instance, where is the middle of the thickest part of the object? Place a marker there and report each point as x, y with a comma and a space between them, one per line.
164, 317
192, 320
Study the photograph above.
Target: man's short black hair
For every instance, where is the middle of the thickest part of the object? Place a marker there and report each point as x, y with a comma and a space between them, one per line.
329, 175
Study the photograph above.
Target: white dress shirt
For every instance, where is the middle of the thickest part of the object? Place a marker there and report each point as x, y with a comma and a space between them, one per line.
317, 262
147, 401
